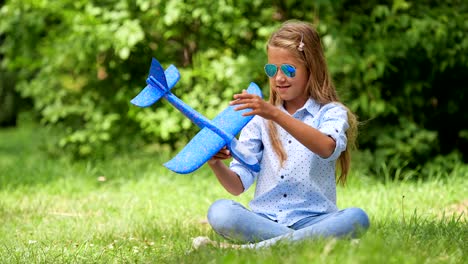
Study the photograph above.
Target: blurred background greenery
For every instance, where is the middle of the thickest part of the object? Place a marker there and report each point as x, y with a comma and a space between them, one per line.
74, 65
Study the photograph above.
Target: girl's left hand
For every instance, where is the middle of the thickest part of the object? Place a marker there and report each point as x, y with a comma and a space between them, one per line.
255, 103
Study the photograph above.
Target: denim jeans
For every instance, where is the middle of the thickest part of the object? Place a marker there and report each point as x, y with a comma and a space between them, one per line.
235, 222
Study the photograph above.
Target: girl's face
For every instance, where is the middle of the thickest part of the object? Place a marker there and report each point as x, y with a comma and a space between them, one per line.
292, 90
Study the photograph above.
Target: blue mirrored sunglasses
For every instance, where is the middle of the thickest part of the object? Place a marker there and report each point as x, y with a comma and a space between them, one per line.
287, 69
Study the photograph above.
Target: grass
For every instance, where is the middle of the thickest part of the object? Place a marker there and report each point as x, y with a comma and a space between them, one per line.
130, 209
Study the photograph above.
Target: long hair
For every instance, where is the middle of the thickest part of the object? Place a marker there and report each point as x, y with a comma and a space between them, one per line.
320, 86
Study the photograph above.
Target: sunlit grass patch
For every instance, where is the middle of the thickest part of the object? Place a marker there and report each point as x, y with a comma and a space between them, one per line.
131, 209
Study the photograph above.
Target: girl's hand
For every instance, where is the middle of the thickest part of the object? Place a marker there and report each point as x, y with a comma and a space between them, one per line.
223, 154
255, 103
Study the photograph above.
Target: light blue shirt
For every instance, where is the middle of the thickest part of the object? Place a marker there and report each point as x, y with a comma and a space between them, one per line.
305, 185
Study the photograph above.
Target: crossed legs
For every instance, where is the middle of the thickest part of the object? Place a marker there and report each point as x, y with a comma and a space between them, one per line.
235, 222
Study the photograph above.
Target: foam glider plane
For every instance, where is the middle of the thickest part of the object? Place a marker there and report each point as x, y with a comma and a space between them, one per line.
214, 134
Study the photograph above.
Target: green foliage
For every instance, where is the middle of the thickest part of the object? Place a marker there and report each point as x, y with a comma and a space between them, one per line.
82, 61
405, 145
67, 55
8, 99
397, 64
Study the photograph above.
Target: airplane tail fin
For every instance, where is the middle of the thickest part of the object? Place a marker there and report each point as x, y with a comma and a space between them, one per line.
157, 72
159, 83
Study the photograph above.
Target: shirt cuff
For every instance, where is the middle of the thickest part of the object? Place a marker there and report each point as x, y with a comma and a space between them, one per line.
244, 174
340, 141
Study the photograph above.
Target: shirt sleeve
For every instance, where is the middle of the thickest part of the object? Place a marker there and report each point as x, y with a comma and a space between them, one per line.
334, 123
251, 139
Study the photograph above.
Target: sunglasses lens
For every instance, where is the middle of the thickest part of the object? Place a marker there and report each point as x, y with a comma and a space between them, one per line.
270, 70
288, 70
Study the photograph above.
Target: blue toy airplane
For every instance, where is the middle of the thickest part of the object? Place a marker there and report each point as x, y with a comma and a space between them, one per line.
215, 134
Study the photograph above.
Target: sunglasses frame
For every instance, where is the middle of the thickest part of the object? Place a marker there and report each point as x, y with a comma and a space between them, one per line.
288, 70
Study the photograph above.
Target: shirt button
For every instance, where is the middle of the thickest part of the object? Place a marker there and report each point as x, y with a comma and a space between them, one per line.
282, 176
289, 141
285, 195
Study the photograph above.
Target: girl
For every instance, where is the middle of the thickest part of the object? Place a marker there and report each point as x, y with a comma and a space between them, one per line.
298, 136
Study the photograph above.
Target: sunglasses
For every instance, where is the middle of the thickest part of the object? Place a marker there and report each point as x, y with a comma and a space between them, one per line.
287, 69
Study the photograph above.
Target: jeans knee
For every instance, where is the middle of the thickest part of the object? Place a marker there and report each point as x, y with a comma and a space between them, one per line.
219, 213
360, 218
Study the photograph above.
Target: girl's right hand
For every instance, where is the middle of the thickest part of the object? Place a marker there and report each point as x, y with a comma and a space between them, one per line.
222, 154
257, 105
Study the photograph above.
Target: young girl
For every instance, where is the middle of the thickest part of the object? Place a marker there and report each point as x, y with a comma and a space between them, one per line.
298, 137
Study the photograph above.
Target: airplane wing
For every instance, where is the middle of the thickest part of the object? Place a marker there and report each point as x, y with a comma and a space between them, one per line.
207, 143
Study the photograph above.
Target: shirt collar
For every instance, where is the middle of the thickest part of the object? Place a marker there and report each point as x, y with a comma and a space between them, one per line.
310, 106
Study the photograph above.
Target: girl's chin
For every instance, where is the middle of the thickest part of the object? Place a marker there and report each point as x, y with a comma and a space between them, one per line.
284, 97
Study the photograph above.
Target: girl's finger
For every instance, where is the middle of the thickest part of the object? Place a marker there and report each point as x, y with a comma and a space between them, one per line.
243, 96
242, 107
249, 113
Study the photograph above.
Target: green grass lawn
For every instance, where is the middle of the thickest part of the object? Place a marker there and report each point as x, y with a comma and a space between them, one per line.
130, 209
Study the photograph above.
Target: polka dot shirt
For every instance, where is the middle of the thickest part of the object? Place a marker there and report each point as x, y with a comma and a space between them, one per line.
305, 185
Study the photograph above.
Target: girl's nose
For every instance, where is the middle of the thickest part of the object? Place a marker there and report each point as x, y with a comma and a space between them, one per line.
280, 77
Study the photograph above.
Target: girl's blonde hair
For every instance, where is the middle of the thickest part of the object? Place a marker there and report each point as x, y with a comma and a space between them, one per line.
319, 87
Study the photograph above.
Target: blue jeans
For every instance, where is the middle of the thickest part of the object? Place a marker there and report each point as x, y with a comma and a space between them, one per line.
235, 222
